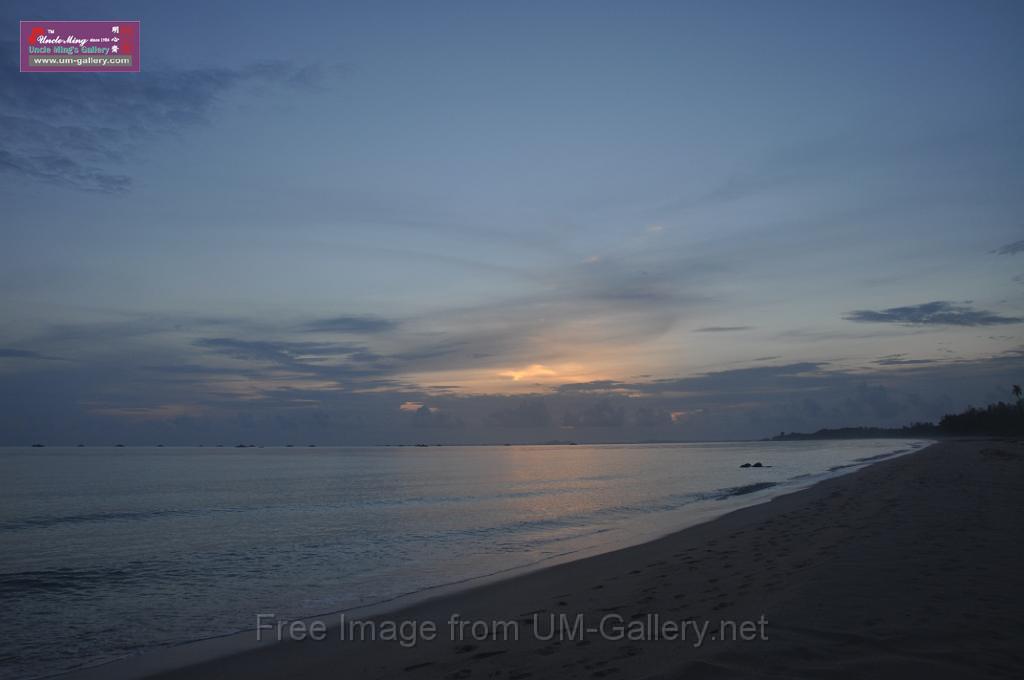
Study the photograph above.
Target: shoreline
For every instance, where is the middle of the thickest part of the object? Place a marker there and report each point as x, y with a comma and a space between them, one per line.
174, 655
224, 658
904, 567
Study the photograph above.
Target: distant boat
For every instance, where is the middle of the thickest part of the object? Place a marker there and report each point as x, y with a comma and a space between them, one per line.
120, 446
38, 446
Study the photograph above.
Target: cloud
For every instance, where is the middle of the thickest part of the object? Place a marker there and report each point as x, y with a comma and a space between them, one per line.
352, 324
82, 140
59, 168
276, 351
932, 313
1010, 248
646, 416
333, 364
527, 413
756, 379
900, 360
722, 329
435, 418
602, 414
593, 387
531, 371
129, 397
10, 353
875, 401
838, 157
186, 370
568, 313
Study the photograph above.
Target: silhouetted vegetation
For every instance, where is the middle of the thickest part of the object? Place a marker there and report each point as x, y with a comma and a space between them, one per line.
996, 419
1000, 419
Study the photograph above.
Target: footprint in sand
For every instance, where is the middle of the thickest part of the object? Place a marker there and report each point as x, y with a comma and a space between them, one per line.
416, 666
487, 655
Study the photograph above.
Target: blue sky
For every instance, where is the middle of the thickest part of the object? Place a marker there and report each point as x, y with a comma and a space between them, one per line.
370, 223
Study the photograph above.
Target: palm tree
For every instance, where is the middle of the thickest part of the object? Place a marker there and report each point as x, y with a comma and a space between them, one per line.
1017, 394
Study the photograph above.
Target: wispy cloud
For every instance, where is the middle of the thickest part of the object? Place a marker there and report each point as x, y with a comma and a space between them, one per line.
844, 155
901, 360
722, 329
937, 313
1010, 248
313, 357
781, 377
352, 324
93, 123
11, 353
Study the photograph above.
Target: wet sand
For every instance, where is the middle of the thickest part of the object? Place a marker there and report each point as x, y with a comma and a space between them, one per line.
911, 567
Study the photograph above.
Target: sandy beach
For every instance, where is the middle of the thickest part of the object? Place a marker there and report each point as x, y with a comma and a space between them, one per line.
909, 567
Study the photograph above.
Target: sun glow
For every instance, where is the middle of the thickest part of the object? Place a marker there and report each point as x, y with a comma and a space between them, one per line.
548, 374
531, 371
529, 378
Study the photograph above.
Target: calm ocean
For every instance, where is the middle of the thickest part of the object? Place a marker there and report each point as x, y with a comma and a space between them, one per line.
109, 552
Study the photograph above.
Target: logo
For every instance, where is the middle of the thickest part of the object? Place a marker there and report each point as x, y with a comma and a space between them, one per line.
80, 46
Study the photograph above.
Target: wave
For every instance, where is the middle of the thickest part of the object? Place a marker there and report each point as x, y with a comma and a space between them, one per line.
45, 522
61, 580
880, 456
729, 492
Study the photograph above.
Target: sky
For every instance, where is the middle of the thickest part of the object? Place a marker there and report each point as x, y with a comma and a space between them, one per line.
483, 222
